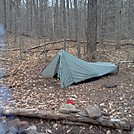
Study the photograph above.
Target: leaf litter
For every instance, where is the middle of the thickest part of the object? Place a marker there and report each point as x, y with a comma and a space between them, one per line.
31, 91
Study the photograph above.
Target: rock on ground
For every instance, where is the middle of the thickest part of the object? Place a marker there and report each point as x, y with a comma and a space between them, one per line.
93, 111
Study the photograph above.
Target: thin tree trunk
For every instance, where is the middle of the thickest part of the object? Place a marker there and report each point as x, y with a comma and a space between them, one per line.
77, 28
101, 23
117, 30
61, 18
27, 18
129, 19
64, 24
5, 14
20, 29
85, 24
10, 17
45, 18
15, 22
53, 33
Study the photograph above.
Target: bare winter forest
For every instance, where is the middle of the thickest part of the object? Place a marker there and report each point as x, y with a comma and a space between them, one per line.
32, 32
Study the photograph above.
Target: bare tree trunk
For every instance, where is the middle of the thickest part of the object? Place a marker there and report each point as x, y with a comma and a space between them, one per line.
92, 29
77, 28
61, 18
20, 29
45, 26
15, 22
117, 30
10, 17
27, 17
53, 33
129, 19
85, 25
68, 21
101, 25
5, 14
64, 24
41, 18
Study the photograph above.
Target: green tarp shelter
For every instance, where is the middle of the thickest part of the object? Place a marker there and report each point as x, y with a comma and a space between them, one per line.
70, 69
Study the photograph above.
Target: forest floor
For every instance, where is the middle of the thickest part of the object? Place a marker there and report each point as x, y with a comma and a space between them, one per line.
30, 91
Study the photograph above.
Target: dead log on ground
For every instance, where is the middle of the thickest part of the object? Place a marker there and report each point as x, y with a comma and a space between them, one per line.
74, 117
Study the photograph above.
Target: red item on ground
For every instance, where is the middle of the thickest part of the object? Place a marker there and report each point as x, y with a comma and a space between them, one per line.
70, 101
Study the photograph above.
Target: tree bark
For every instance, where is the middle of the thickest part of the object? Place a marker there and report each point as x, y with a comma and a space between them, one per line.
45, 27
5, 14
64, 24
117, 30
77, 27
91, 30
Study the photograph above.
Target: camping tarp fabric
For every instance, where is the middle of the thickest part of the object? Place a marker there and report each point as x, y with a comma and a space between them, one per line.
71, 69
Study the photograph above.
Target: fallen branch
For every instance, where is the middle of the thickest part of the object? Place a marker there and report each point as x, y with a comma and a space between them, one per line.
55, 42
35, 47
48, 43
56, 48
56, 115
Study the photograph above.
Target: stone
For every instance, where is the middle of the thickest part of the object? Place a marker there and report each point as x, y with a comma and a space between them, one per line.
110, 85
31, 129
68, 108
93, 111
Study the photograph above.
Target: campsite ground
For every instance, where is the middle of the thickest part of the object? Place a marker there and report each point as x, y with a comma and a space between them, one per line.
30, 91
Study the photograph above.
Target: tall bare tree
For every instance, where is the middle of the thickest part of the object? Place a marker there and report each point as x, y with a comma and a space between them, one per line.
77, 27
45, 26
92, 29
117, 30
64, 24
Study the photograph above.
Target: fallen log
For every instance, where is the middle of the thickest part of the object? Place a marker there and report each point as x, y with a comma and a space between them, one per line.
73, 117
